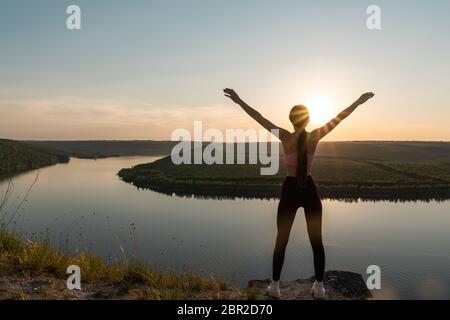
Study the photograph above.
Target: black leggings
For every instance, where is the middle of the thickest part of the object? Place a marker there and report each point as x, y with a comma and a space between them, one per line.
292, 198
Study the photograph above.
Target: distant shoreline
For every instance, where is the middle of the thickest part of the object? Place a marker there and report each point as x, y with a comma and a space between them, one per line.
343, 171
349, 193
348, 171
91, 149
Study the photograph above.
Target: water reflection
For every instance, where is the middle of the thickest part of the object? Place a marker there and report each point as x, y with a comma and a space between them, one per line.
272, 193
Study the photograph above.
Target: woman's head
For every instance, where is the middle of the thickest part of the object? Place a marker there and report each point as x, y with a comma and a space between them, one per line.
299, 116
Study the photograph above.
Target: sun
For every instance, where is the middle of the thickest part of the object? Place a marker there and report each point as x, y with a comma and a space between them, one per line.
321, 109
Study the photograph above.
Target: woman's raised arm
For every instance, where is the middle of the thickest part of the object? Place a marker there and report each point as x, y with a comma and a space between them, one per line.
321, 132
268, 125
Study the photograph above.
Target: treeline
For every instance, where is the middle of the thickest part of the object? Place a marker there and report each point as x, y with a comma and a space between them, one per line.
231, 189
370, 150
338, 178
106, 149
17, 157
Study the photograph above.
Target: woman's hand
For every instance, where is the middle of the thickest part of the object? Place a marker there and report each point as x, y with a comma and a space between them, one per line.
365, 97
230, 93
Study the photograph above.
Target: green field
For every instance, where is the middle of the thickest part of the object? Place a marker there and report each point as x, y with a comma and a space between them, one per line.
17, 157
346, 170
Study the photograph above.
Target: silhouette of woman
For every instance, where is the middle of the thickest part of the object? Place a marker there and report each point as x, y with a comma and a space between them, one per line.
298, 188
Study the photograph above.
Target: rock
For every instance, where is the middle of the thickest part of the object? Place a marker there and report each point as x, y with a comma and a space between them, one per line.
340, 285
103, 295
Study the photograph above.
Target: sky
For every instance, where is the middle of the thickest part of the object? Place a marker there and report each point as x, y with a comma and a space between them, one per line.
140, 69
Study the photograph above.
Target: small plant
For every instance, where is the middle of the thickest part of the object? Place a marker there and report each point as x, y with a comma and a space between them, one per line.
252, 294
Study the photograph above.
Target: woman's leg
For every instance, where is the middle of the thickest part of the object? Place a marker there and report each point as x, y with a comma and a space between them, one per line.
287, 209
313, 214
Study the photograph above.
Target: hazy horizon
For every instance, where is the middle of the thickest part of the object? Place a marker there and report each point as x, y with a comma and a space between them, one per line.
207, 141
139, 70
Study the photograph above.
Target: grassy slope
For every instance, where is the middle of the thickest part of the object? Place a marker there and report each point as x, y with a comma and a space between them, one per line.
372, 170
16, 157
34, 270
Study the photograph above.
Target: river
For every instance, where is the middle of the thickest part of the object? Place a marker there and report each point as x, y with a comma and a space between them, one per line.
83, 205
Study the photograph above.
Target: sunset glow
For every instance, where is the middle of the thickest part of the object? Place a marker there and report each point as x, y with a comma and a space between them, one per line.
134, 74
321, 109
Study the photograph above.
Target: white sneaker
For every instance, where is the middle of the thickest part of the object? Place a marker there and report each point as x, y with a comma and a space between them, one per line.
318, 291
274, 290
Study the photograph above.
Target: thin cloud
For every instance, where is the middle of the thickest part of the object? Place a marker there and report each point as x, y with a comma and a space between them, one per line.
75, 118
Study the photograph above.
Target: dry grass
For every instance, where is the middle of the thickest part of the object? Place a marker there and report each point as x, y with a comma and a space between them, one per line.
39, 258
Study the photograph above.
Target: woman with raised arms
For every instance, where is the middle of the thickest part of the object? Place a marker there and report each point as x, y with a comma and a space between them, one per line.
298, 188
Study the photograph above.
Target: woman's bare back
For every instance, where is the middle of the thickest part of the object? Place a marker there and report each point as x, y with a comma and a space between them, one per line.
290, 148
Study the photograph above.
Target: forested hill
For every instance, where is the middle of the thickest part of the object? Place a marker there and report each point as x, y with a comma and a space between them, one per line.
17, 157
371, 150
104, 149
342, 170
409, 151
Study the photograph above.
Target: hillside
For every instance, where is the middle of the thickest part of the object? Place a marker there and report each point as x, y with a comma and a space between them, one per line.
343, 170
105, 149
17, 157
386, 150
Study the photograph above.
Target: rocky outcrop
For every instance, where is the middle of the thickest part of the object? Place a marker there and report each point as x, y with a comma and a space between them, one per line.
340, 285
